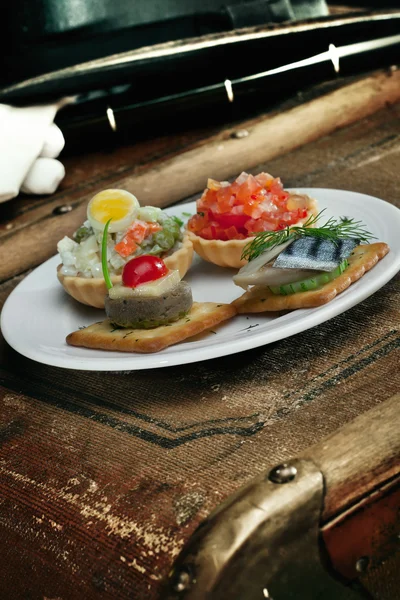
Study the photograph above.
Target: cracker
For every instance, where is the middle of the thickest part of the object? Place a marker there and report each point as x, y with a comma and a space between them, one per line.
261, 299
105, 336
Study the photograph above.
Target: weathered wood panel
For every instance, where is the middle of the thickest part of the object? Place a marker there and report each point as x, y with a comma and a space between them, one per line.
106, 475
25, 245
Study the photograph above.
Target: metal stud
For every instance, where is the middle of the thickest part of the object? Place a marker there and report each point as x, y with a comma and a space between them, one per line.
61, 210
229, 90
111, 118
282, 473
240, 133
183, 581
362, 564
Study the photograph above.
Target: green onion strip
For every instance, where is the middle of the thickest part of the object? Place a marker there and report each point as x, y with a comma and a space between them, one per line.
104, 266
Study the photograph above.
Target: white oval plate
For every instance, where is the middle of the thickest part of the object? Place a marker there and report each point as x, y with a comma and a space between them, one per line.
38, 314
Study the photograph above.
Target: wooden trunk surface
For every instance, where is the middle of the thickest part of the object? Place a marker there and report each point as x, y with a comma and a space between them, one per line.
104, 476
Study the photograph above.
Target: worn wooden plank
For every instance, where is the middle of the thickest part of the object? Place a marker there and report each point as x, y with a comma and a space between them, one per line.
99, 467
34, 234
360, 457
276, 135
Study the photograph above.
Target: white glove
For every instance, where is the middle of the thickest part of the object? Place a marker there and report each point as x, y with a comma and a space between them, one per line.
29, 145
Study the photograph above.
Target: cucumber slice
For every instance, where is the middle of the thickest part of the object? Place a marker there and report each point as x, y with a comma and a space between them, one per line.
309, 284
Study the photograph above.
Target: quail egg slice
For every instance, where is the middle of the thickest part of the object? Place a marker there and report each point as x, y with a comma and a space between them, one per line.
119, 205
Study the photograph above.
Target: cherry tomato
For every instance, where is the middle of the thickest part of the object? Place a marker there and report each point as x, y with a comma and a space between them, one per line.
143, 269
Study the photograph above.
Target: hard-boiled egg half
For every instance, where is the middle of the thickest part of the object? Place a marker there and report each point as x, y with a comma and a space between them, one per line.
119, 205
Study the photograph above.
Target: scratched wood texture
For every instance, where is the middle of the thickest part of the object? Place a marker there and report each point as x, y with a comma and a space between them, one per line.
183, 170
104, 476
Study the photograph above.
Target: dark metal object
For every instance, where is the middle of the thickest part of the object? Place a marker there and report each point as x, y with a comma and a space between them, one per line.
186, 65
209, 79
262, 543
44, 35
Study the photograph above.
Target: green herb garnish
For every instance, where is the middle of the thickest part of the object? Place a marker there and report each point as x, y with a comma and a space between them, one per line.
178, 220
333, 230
104, 266
82, 234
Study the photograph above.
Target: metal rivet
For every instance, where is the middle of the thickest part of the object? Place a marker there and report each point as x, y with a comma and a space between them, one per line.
335, 57
362, 564
229, 90
111, 118
282, 473
183, 581
239, 134
61, 210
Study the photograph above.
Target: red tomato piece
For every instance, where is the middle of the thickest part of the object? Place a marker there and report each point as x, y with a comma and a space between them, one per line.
247, 188
230, 220
231, 233
197, 222
248, 205
143, 269
265, 179
206, 233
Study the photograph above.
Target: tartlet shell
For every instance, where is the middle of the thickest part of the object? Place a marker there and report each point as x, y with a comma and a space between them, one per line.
92, 291
228, 253
223, 254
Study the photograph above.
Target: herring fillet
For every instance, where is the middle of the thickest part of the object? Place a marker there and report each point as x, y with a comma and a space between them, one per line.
315, 254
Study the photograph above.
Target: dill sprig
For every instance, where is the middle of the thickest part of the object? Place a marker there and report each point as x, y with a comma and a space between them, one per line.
333, 230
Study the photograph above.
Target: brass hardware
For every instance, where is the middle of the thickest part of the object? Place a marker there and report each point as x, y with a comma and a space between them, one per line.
262, 542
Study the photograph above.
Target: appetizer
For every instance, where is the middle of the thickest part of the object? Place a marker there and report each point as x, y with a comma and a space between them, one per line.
149, 310
305, 266
230, 214
150, 295
134, 231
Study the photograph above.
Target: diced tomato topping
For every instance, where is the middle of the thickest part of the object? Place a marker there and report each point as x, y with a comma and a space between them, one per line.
136, 233
197, 222
230, 220
248, 205
232, 233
